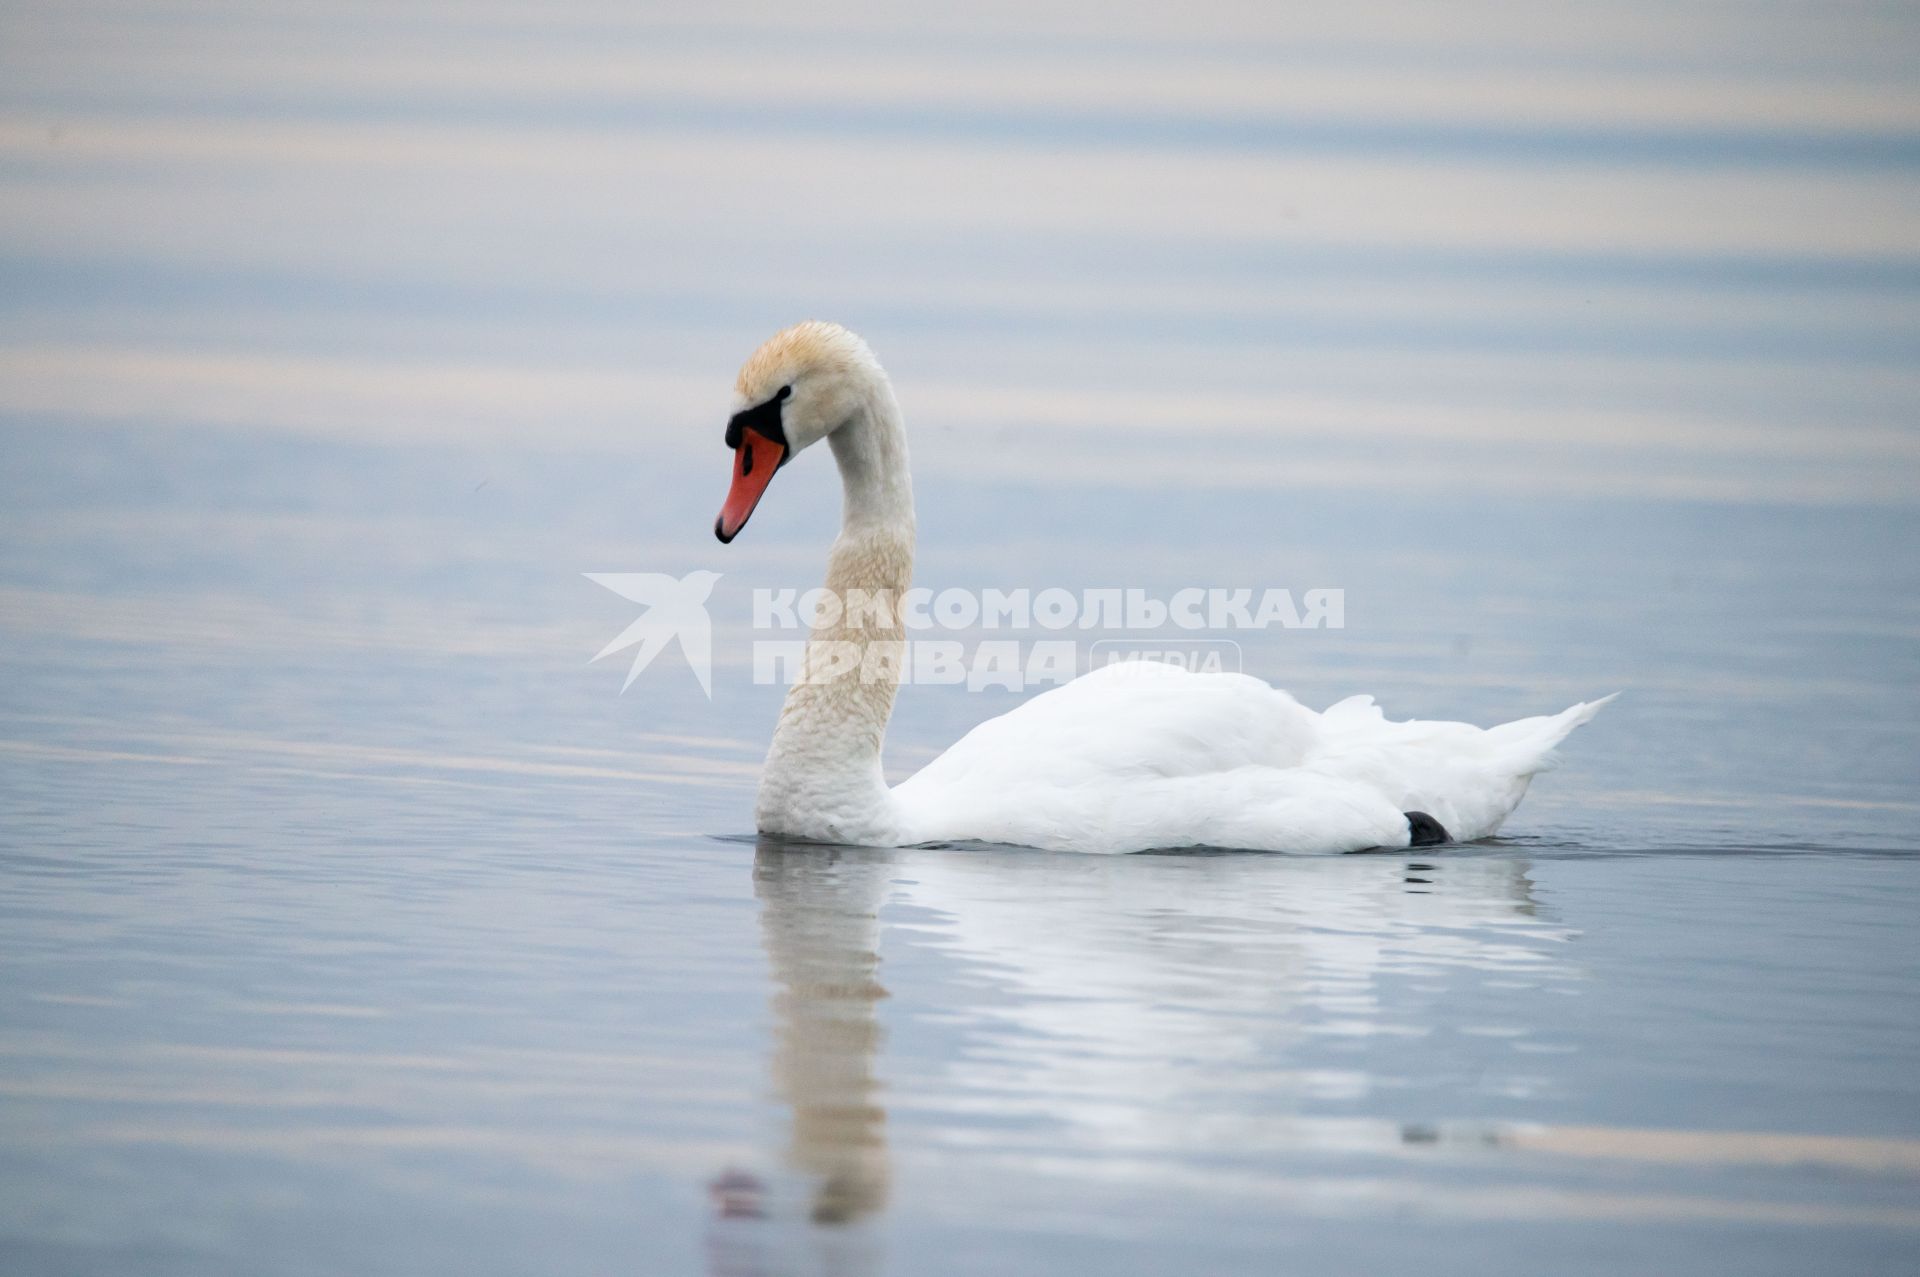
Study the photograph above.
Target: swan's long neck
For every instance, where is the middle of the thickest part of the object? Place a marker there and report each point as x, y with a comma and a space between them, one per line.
823, 778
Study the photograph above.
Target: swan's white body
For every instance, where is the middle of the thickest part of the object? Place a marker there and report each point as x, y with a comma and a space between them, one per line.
1127, 758
1143, 755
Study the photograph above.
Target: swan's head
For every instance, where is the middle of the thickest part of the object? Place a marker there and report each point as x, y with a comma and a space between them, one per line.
803, 384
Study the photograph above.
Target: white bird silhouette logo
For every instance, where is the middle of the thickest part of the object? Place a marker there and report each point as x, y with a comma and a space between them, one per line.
676, 609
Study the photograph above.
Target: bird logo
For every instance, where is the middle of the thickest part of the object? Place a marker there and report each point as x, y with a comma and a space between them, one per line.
675, 609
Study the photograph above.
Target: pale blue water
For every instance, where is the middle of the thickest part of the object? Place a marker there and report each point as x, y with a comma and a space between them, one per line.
352, 921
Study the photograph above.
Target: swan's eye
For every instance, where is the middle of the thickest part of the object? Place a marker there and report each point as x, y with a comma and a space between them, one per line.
764, 419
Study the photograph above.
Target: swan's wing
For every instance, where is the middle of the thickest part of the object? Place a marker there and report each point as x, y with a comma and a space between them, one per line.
1130, 722
1147, 755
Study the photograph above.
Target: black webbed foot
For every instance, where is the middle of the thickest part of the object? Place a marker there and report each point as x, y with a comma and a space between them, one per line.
1427, 832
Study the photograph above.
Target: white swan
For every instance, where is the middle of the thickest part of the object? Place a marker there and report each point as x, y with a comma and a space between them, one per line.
1127, 758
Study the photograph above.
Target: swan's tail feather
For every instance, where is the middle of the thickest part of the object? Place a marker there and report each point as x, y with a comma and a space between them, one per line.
1354, 713
1530, 741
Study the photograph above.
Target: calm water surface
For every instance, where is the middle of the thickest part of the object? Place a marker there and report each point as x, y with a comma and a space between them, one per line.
352, 921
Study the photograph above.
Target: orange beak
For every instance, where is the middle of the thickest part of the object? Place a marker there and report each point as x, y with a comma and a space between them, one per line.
754, 462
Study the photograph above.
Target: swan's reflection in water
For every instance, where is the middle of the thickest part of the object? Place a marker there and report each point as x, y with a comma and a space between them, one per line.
1168, 1010
820, 926
1145, 1013
1158, 1046
820, 923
